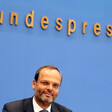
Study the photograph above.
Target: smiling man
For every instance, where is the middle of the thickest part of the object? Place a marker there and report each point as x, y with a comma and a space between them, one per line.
46, 85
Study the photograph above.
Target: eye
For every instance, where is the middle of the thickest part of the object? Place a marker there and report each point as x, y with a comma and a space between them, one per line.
44, 82
56, 86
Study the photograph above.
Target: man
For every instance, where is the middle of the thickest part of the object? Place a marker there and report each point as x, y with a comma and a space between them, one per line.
46, 87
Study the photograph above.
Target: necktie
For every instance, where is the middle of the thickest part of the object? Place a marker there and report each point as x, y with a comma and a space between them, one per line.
43, 111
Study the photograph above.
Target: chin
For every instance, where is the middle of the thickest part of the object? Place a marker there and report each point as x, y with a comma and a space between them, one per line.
49, 100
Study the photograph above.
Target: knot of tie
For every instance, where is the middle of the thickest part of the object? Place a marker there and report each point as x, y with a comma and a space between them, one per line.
43, 111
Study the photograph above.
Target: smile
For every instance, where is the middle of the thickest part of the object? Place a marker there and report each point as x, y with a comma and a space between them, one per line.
48, 94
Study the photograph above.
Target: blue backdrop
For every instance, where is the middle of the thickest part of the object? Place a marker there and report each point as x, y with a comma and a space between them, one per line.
84, 59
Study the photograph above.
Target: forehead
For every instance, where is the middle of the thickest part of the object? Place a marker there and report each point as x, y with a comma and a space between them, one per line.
51, 75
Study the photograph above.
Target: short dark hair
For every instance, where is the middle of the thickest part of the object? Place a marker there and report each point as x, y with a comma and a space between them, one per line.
46, 66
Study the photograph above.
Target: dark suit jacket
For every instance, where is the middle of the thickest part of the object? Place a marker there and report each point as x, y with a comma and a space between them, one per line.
26, 105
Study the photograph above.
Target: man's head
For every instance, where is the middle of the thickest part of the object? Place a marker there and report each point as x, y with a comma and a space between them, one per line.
46, 84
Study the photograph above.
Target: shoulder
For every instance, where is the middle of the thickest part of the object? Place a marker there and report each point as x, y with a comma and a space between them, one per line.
19, 102
61, 108
16, 105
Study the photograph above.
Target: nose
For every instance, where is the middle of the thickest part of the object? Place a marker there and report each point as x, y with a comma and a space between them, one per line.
50, 87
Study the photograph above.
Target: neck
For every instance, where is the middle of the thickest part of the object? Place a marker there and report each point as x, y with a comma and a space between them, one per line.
43, 105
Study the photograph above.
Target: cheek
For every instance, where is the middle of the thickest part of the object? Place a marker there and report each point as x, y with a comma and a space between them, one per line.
41, 88
56, 92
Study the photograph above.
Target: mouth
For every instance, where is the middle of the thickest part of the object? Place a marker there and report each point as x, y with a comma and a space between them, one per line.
48, 94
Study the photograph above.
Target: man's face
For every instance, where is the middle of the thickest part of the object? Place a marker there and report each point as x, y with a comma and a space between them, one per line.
47, 86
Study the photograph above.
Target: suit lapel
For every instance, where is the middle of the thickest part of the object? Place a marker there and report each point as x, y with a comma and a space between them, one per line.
54, 108
28, 105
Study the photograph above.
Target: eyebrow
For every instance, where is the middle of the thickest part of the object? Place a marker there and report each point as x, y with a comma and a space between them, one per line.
49, 82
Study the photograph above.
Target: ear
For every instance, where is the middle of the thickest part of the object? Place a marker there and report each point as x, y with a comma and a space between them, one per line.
33, 84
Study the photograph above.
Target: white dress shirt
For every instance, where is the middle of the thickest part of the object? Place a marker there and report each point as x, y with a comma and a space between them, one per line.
37, 108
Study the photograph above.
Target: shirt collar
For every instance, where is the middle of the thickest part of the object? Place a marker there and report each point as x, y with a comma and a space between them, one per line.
37, 108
